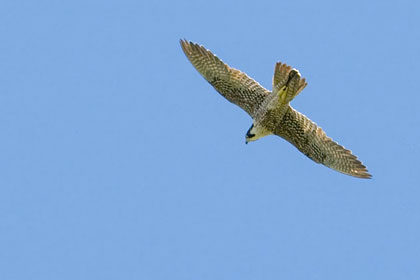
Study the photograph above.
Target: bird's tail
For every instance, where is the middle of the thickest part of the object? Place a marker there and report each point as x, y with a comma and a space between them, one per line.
287, 82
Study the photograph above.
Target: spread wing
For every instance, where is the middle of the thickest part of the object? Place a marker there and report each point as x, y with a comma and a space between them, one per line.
234, 85
315, 144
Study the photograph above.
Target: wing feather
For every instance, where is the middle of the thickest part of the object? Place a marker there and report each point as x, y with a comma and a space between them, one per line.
231, 83
315, 144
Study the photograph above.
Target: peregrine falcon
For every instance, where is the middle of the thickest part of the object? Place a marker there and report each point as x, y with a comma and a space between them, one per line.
271, 111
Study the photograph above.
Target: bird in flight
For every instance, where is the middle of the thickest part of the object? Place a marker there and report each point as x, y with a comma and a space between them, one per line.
271, 111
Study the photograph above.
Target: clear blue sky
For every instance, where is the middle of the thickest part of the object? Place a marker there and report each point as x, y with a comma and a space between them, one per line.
118, 160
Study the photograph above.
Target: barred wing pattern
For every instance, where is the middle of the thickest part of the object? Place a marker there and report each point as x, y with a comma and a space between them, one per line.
231, 83
315, 144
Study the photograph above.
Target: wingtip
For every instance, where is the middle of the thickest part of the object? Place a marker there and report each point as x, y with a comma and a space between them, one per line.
185, 45
362, 173
368, 175
365, 176
183, 41
188, 46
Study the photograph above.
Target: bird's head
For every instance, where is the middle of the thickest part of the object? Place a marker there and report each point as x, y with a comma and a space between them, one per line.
255, 133
250, 135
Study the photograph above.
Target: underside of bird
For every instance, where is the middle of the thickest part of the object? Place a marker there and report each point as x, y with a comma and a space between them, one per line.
271, 111
287, 83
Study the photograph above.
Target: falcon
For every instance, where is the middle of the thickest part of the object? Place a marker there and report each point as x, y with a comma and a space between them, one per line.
271, 111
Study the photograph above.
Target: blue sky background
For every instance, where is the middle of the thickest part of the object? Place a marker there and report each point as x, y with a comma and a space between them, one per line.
118, 160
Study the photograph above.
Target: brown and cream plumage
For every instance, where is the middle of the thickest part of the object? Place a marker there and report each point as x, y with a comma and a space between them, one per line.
271, 111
